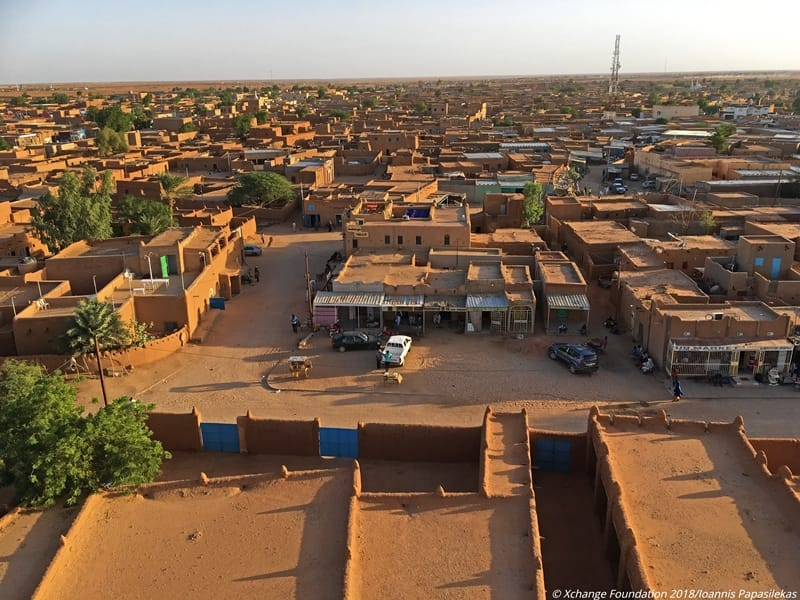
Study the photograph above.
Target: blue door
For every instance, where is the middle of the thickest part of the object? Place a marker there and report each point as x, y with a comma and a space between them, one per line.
552, 455
342, 443
775, 271
220, 437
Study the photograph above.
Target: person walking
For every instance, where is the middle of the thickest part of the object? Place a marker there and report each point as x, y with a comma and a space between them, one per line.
295, 323
674, 375
677, 392
294, 226
257, 274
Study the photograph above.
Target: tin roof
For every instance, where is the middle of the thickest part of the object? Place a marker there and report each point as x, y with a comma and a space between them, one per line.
368, 299
569, 301
407, 301
487, 302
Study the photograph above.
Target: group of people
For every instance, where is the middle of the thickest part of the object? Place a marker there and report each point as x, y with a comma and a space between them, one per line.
382, 359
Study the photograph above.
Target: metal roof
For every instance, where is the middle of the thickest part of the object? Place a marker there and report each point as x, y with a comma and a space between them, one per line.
409, 301
569, 301
445, 302
487, 302
369, 299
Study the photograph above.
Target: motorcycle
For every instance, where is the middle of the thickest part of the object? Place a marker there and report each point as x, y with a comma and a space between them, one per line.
334, 329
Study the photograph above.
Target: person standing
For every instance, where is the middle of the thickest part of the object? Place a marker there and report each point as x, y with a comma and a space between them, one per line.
378, 358
677, 392
295, 323
257, 274
674, 375
397, 321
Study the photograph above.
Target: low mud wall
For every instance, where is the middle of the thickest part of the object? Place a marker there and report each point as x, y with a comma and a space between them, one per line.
779, 452
424, 443
577, 445
176, 431
275, 436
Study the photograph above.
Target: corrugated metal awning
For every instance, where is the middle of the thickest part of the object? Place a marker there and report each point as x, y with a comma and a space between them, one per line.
367, 299
567, 301
449, 303
706, 345
409, 301
487, 302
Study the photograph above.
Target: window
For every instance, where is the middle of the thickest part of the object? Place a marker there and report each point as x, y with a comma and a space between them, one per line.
503, 209
759, 261
399, 240
387, 239
446, 239
418, 241
355, 243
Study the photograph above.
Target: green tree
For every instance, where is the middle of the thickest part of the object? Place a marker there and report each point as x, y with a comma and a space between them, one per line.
796, 103
147, 100
60, 98
173, 188
80, 211
112, 117
719, 139
187, 127
420, 108
707, 221
262, 189
532, 206
49, 450
370, 102
42, 450
241, 125
636, 112
263, 117
338, 113
321, 92
95, 327
568, 110
110, 142
567, 181
20, 100
4, 145
146, 216
302, 111
227, 98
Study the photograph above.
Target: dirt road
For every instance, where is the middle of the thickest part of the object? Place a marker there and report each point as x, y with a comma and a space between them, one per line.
449, 376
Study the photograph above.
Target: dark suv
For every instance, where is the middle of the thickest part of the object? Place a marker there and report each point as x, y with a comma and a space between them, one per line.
354, 340
579, 358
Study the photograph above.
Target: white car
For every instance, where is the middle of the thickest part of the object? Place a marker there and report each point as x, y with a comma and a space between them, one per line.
395, 350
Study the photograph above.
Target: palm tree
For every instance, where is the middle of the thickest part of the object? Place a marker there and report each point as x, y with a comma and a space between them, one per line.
172, 189
94, 327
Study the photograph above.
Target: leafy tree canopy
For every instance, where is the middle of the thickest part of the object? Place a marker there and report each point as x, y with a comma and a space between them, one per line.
146, 216
262, 189
110, 142
532, 207
338, 113
48, 450
80, 211
719, 139
112, 117
60, 98
242, 125
263, 117
4, 145
370, 102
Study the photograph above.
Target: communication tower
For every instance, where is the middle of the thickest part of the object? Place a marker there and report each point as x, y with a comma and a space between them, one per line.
613, 82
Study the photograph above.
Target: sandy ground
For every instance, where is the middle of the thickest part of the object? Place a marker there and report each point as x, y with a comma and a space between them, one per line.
449, 377
454, 547
272, 538
725, 524
28, 542
398, 476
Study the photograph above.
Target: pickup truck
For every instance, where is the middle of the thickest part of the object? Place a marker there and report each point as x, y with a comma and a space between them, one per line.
396, 349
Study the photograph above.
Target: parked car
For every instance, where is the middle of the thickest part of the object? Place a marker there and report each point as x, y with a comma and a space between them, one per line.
252, 250
397, 346
354, 340
579, 358
648, 184
619, 189
633, 177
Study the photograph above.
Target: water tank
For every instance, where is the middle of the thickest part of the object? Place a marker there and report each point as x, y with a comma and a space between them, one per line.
27, 264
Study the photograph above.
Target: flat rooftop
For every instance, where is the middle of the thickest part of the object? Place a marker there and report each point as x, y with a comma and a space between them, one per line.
110, 247
479, 271
561, 273
602, 232
725, 521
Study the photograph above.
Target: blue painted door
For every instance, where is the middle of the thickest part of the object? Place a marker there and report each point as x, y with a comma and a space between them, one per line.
220, 437
552, 455
342, 443
775, 271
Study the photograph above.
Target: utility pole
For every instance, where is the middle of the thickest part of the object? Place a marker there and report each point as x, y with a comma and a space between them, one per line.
308, 295
613, 81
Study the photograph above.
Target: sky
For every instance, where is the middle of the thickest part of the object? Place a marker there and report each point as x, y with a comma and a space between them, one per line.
55, 41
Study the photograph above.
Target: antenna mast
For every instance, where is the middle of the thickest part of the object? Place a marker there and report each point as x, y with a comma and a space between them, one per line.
613, 81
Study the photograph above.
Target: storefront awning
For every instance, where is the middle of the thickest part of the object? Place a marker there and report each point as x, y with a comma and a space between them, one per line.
487, 302
701, 345
446, 303
362, 299
567, 301
410, 301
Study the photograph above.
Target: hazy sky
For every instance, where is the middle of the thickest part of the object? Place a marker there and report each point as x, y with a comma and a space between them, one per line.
109, 40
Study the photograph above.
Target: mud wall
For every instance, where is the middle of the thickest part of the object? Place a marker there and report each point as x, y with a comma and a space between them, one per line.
276, 436
577, 442
424, 443
176, 431
779, 452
